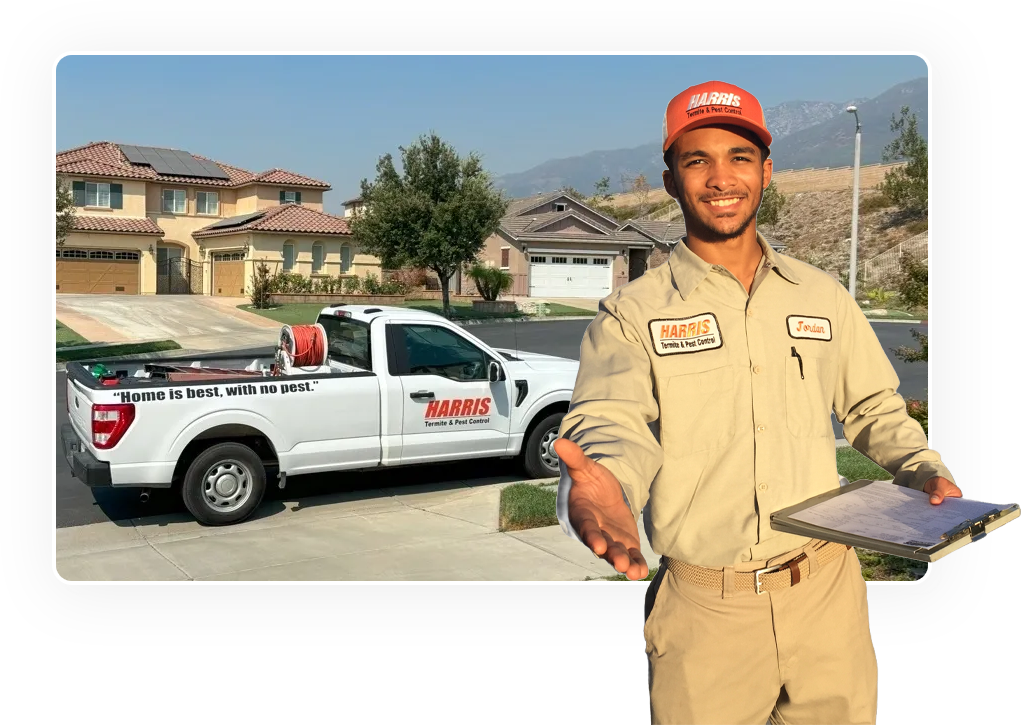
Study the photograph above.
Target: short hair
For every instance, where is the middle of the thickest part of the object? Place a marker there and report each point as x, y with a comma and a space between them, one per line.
668, 155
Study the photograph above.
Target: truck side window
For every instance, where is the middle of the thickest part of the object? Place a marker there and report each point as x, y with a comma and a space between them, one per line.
431, 350
349, 341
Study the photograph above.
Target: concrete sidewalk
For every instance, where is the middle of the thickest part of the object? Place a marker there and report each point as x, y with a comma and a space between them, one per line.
443, 532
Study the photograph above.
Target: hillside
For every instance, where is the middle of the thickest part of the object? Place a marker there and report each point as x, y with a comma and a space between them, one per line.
805, 134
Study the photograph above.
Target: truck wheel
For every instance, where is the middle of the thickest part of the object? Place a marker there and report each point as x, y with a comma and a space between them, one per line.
224, 484
540, 459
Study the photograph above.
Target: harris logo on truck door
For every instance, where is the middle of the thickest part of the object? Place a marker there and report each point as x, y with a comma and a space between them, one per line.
457, 411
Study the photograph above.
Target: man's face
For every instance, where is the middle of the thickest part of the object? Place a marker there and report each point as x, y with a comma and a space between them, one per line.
718, 179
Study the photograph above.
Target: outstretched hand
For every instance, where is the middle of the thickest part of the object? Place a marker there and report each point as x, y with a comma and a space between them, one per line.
597, 511
939, 488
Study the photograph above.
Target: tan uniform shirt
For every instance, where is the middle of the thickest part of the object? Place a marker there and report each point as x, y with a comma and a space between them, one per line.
713, 405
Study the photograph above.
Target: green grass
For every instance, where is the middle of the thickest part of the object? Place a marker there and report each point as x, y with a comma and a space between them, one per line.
115, 351
305, 313
528, 506
66, 337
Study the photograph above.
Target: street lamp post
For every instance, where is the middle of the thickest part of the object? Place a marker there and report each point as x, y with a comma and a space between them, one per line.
852, 275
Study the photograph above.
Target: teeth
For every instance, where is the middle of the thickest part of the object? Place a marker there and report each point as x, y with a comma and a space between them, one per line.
724, 202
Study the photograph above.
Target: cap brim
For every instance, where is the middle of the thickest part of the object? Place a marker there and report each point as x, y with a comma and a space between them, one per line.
759, 131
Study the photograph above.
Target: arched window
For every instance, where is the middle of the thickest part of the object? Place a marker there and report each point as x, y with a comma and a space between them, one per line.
317, 257
288, 256
345, 258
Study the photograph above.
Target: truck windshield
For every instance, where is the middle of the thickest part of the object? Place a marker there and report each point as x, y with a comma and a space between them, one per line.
348, 341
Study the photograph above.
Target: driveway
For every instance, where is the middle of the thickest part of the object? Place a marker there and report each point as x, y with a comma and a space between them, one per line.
195, 322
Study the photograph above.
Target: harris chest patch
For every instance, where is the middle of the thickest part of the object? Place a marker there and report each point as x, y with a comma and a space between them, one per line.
802, 327
687, 334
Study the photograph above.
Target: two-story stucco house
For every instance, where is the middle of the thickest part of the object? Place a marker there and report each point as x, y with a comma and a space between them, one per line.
153, 220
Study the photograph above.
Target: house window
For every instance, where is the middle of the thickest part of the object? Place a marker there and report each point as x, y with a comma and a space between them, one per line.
580, 260
100, 254
288, 257
504, 257
538, 260
126, 255
600, 260
75, 254
559, 260
560, 207
290, 197
174, 201
345, 259
317, 258
207, 202
97, 195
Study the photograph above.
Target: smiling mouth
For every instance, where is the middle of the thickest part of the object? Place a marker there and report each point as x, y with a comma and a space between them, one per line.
724, 202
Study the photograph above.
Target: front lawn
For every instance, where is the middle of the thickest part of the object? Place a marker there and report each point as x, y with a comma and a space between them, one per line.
305, 313
530, 505
66, 337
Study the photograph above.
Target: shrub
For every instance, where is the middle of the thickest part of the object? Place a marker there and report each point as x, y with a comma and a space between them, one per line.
261, 282
914, 354
874, 202
917, 227
879, 295
410, 277
913, 284
371, 284
919, 410
490, 281
352, 285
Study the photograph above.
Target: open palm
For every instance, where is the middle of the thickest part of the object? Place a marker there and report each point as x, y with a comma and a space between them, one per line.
597, 511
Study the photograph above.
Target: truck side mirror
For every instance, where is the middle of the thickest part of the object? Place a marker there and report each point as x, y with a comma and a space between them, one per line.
496, 372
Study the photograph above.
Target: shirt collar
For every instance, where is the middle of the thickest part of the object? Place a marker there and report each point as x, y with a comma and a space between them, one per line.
689, 269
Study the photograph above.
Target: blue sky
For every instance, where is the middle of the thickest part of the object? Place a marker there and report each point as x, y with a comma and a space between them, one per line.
332, 117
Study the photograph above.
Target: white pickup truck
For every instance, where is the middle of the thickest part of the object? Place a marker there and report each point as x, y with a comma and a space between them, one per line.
398, 387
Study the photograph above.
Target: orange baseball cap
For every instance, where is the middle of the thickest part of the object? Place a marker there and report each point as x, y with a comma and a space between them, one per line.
709, 103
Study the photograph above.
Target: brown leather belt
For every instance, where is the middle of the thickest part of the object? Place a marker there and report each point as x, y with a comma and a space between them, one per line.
767, 579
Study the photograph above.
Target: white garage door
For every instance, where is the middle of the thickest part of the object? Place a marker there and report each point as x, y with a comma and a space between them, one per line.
570, 276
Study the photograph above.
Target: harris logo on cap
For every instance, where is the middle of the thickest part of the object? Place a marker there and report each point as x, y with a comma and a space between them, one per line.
714, 102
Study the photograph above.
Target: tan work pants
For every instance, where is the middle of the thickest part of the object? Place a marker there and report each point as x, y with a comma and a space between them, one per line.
796, 656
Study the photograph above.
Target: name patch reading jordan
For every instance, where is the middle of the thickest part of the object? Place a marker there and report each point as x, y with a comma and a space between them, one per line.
688, 334
809, 328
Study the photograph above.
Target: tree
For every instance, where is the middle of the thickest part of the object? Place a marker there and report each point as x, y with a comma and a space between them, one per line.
490, 281
261, 286
773, 207
65, 212
572, 192
603, 188
639, 186
907, 186
437, 214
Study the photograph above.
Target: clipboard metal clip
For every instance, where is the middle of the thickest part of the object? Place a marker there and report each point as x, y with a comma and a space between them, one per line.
975, 528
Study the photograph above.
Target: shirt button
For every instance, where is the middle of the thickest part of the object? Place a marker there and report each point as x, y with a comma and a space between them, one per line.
761, 428
763, 487
757, 369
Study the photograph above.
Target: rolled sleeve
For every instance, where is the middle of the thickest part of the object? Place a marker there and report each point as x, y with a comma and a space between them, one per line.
611, 409
874, 415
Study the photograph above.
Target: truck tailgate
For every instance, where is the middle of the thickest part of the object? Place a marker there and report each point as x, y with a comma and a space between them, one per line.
79, 407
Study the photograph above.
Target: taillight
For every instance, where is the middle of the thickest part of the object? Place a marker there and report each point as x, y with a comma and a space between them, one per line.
110, 422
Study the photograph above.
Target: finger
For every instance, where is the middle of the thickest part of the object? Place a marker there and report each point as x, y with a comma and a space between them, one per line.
639, 569
616, 554
571, 454
591, 535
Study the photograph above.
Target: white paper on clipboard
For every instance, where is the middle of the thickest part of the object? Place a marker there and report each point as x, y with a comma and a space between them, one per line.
896, 514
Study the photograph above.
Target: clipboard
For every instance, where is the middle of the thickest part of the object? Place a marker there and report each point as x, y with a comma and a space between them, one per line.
963, 533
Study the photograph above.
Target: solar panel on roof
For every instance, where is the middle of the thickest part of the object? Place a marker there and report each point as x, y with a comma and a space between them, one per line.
172, 162
236, 221
133, 154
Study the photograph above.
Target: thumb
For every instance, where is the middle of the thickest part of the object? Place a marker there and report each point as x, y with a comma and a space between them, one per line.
570, 453
935, 497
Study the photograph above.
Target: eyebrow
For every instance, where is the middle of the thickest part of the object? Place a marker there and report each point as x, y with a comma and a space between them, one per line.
702, 154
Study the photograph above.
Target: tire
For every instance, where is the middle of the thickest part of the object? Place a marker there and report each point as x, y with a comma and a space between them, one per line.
540, 460
224, 484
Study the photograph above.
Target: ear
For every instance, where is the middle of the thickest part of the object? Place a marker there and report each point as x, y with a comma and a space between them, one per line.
668, 183
767, 173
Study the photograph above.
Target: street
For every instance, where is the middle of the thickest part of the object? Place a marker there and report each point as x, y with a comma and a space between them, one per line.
78, 505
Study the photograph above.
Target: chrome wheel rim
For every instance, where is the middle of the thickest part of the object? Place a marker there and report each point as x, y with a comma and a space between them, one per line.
227, 485
547, 454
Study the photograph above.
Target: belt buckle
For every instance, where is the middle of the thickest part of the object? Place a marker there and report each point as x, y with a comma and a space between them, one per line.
767, 570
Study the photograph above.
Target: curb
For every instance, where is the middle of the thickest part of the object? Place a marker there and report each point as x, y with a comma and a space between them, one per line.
506, 320
902, 322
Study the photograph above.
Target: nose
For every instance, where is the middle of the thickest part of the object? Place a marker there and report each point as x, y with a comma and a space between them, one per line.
721, 177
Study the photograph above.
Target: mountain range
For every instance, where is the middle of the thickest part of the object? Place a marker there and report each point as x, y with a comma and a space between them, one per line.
806, 134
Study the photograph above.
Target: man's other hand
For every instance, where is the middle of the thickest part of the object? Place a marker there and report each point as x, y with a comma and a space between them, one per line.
939, 488
596, 510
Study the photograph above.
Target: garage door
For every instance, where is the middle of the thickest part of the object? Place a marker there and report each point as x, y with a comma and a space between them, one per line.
229, 274
570, 276
97, 271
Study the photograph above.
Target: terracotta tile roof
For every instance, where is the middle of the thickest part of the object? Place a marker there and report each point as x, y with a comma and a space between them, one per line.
103, 158
282, 219
117, 224
660, 231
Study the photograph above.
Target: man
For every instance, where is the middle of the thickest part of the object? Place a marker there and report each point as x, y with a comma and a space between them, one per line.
705, 392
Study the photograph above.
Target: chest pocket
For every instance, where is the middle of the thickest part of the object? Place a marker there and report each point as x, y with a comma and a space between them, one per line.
697, 411
809, 399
